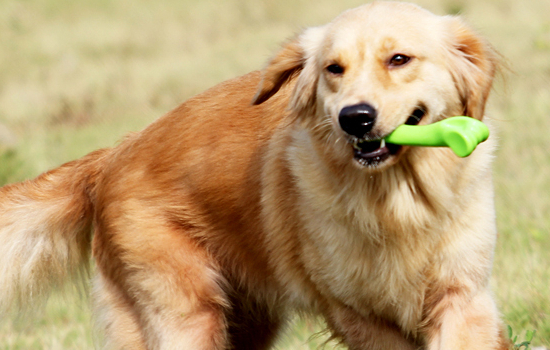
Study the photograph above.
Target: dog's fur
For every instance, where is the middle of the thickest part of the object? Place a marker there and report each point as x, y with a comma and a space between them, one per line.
220, 219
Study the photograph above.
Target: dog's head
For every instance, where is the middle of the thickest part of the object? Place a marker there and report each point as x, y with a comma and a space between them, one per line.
379, 66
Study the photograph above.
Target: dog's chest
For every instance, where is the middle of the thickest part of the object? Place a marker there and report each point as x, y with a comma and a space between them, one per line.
380, 277
364, 243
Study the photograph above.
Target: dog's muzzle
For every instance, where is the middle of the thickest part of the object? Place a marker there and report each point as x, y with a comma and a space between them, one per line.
357, 120
369, 150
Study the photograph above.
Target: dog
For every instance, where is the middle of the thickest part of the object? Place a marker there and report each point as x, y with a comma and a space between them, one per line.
274, 193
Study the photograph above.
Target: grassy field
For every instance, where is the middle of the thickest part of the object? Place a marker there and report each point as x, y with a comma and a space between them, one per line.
76, 75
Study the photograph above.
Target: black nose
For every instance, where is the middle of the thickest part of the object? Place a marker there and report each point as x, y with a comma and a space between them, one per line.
357, 120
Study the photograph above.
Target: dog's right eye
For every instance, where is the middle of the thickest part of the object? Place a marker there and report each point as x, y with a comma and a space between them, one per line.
399, 60
335, 69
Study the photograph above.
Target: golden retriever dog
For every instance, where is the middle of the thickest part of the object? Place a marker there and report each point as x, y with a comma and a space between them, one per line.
272, 194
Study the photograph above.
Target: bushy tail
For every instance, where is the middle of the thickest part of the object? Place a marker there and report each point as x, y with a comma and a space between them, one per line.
45, 230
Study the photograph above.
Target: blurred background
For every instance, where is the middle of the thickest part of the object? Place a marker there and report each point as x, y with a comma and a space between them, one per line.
76, 75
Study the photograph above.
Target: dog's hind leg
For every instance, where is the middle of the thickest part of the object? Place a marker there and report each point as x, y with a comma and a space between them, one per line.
170, 286
115, 318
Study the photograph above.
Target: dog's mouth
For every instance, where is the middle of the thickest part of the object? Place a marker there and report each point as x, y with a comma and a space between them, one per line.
371, 153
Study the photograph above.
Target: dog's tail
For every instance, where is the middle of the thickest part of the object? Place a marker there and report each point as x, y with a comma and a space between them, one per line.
45, 230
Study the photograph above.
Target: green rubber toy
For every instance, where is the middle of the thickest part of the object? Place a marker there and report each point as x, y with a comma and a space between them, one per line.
461, 134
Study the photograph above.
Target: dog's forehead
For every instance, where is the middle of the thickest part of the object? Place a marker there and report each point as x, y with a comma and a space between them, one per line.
384, 24
383, 13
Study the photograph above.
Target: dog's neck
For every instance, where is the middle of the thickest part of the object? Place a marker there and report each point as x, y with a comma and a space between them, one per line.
404, 197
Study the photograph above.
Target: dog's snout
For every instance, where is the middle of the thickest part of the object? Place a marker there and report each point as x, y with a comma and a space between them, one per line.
357, 120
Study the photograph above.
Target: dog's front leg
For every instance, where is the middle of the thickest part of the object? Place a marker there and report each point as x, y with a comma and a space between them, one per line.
365, 333
462, 322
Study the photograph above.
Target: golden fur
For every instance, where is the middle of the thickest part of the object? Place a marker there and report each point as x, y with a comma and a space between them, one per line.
221, 218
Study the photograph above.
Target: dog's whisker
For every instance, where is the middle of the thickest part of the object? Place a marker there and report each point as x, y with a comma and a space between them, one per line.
326, 123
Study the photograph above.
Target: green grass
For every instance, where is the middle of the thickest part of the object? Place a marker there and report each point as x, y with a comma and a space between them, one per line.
64, 324
76, 75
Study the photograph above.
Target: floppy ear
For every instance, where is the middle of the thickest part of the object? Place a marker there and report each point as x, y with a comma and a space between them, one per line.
286, 63
473, 66
296, 58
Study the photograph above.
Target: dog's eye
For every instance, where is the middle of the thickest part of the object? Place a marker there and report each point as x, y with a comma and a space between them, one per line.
399, 60
335, 69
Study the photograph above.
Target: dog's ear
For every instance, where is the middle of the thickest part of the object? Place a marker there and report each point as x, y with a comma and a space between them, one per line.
287, 62
296, 58
473, 66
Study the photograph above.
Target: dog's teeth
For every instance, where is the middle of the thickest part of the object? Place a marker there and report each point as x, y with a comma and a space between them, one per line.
382, 143
356, 145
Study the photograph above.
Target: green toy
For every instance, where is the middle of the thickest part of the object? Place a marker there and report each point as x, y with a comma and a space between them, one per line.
461, 134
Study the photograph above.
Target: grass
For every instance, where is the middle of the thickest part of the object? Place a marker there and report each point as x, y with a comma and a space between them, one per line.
517, 344
76, 75
65, 323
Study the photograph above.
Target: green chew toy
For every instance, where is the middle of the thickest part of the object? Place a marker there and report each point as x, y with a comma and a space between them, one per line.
461, 134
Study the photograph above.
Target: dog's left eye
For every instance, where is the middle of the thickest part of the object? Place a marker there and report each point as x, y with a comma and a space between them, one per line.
398, 60
335, 69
